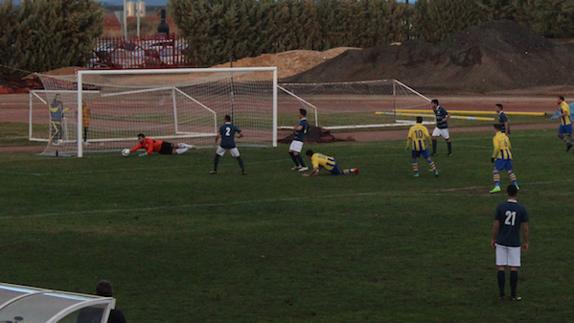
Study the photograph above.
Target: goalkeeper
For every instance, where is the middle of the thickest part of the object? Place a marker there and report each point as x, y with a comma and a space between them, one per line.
161, 147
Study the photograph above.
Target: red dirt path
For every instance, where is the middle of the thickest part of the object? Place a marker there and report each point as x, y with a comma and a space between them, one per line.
14, 108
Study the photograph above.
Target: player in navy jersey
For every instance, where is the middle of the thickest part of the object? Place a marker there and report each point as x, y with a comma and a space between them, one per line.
226, 139
441, 129
511, 218
299, 132
502, 119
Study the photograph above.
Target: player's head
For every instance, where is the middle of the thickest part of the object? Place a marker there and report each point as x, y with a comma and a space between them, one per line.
434, 103
302, 113
512, 190
499, 107
141, 137
419, 119
309, 152
227, 118
561, 99
104, 288
497, 127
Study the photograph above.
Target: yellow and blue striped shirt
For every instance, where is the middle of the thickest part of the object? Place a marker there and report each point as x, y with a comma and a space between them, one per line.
320, 160
565, 108
501, 146
417, 137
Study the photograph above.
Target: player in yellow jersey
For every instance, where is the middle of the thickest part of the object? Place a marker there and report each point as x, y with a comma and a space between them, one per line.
565, 130
502, 158
417, 140
327, 163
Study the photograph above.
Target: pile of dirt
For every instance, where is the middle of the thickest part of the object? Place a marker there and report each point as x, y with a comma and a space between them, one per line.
316, 135
495, 56
291, 62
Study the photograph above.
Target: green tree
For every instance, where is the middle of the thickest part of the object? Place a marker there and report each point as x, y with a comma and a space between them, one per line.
435, 20
47, 34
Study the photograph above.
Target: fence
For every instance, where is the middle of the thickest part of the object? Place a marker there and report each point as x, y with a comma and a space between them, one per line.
144, 52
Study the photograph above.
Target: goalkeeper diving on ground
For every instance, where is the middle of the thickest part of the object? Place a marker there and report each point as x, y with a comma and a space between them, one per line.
159, 146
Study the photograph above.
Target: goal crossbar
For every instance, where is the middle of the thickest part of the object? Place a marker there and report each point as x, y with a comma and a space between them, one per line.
85, 75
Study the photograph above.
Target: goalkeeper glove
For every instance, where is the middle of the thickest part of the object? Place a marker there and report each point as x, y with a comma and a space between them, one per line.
492, 159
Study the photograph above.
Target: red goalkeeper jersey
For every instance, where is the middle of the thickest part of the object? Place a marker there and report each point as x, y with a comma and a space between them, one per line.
149, 144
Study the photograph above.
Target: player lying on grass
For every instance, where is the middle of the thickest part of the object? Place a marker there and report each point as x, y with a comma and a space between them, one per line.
417, 140
328, 163
227, 134
151, 145
502, 158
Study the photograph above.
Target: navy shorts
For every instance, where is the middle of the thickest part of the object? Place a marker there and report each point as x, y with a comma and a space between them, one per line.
336, 170
503, 164
565, 130
166, 148
420, 153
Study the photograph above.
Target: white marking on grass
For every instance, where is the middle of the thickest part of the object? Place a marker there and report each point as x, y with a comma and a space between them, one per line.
437, 192
195, 205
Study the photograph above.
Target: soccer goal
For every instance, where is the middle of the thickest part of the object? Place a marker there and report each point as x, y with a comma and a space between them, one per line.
351, 105
104, 110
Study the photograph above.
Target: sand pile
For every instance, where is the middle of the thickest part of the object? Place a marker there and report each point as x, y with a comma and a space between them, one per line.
291, 62
495, 56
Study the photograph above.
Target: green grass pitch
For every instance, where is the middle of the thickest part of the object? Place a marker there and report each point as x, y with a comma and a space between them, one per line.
184, 246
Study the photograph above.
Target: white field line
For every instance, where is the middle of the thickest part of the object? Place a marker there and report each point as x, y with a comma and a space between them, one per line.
437, 192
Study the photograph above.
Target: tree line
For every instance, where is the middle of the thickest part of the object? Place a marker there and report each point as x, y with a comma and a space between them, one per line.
39, 35
219, 29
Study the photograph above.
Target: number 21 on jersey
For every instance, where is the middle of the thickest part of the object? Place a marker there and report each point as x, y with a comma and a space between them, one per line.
510, 218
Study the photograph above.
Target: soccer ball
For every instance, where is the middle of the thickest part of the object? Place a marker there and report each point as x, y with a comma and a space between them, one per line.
125, 152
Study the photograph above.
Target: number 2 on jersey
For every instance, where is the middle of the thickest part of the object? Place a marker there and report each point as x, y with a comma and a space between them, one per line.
227, 131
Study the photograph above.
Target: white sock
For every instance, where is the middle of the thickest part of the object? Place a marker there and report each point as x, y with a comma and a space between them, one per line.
181, 150
185, 145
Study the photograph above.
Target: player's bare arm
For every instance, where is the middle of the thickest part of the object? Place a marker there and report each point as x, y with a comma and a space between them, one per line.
525, 232
495, 228
314, 172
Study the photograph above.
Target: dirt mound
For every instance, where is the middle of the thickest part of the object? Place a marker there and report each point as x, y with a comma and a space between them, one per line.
317, 135
495, 56
291, 62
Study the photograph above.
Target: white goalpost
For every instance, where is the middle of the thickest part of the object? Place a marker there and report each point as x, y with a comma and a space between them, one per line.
352, 105
104, 110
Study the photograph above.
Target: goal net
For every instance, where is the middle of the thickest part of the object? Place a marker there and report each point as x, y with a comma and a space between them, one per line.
350, 105
104, 110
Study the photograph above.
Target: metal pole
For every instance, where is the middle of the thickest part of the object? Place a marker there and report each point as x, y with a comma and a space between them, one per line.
30, 116
125, 20
394, 101
79, 117
275, 107
174, 102
232, 94
140, 6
